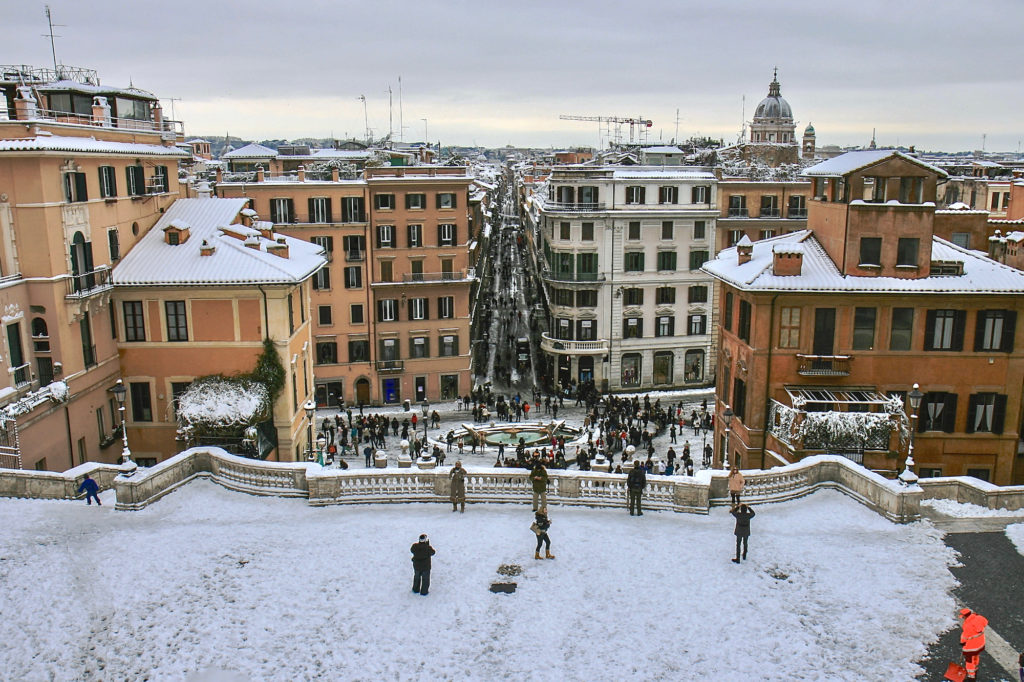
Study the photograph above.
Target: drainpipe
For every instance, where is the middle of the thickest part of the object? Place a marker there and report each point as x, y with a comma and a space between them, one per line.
767, 382
67, 423
266, 317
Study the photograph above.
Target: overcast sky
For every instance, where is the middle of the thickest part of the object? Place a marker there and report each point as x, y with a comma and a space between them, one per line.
931, 73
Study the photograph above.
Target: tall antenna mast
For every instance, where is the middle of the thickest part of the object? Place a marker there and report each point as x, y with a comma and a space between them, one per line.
743, 119
366, 120
51, 36
676, 138
391, 115
401, 120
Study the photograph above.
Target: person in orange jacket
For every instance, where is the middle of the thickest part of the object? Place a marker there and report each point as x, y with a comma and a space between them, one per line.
972, 640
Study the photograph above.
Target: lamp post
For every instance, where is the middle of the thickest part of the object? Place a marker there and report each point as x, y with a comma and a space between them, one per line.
908, 477
726, 419
119, 392
425, 408
310, 407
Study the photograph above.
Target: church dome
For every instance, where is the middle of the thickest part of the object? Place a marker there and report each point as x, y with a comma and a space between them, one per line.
773, 106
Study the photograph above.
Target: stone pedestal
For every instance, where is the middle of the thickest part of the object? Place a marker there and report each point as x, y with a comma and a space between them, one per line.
426, 463
601, 465
404, 461
380, 459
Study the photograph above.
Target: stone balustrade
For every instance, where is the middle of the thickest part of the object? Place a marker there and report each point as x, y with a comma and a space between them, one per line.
321, 487
52, 485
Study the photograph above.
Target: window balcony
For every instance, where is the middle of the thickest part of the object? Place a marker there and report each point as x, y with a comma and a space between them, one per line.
355, 256
823, 365
797, 214
572, 207
552, 345
560, 276
390, 366
89, 284
426, 277
769, 213
738, 213
21, 375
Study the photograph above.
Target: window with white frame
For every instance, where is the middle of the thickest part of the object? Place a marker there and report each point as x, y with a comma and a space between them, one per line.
668, 195
319, 210
387, 310
385, 236
446, 234
446, 307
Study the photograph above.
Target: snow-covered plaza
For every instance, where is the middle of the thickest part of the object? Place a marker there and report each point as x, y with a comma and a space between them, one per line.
213, 584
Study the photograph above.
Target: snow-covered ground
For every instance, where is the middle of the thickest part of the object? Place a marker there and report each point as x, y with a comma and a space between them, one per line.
1015, 532
966, 510
207, 579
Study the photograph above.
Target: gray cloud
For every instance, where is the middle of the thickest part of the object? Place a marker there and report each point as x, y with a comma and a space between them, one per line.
498, 72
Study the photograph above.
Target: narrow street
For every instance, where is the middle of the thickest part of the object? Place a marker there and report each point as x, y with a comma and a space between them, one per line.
507, 358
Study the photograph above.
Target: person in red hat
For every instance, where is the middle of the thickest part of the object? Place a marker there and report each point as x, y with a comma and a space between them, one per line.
972, 640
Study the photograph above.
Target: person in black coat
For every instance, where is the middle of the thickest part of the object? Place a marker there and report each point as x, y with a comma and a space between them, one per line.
635, 484
421, 553
540, 526
743, 514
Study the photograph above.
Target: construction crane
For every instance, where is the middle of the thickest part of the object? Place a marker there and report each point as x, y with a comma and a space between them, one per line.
637, 126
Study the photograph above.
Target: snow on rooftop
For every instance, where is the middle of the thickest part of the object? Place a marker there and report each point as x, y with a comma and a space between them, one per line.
850, 162
665, 149
86, 145
674, 172
271, 588
251, 151
152, 261
981, 275
790, 248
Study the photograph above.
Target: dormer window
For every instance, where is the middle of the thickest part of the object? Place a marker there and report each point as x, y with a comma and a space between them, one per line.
176, 233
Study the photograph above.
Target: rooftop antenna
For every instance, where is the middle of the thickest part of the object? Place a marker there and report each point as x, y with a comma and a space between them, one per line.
391, 114
51, 36
984, 137
676, 138
743, 118
366, 121
172, 100
401, 120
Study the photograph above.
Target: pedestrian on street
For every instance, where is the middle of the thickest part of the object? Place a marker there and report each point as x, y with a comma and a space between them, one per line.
367, 454
91, 490
458, 476
635, 484
540, 526
743, 513
735, 485
972, 640
672, 434
421, 553
539, 478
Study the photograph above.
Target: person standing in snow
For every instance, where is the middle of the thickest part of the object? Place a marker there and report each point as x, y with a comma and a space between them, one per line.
972, 640
743, 514
635, 484
458, 476
735, 485
421, 553
540, 526
91, 491
539, 478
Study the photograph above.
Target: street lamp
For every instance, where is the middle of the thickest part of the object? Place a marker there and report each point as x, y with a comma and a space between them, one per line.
727, 419
425, 408
310, 407
119, 392
908, 477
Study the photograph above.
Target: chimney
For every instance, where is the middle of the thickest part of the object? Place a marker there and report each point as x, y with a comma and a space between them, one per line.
100, 111
787, 259
203, 190
248, 216
744, 250
158, 116
25, 104
260, 173
206, 248
279, 248
220, 175
253, 243
997, 247
266, 229
335, 175
302, 173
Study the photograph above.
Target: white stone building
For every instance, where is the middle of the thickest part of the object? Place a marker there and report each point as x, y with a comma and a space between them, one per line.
620, 250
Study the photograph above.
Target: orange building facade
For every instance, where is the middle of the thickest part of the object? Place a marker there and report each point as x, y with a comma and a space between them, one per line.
825, 331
